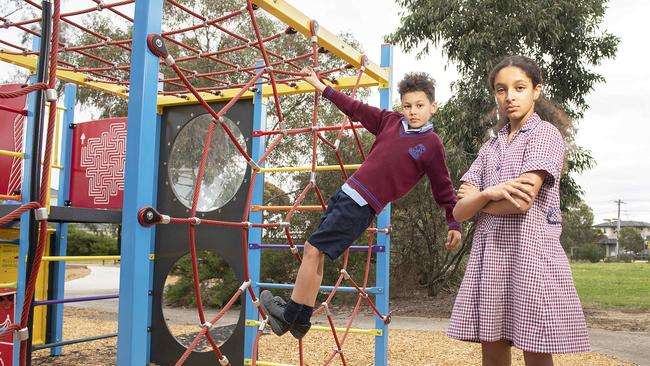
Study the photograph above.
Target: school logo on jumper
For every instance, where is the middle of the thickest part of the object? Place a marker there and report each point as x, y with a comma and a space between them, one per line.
416, 151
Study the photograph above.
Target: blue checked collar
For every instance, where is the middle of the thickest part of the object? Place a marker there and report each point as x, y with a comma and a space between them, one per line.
408, 129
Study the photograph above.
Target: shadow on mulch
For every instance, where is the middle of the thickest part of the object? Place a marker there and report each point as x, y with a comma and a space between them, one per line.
219, 334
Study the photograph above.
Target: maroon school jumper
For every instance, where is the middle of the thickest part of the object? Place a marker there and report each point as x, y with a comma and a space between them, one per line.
397, 160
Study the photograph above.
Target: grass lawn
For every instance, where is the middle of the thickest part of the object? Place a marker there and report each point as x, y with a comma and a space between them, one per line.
621, 286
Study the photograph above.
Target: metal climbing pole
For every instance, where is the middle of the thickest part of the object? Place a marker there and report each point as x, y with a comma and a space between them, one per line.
140, 182
383, 238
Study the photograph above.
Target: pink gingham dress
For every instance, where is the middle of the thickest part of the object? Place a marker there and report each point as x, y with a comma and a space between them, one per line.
518, 285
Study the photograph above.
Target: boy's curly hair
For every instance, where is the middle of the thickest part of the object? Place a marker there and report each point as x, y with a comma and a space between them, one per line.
418, 81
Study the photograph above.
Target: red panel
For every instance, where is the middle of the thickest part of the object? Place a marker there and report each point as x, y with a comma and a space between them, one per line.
11, 139
98, 154
6, 319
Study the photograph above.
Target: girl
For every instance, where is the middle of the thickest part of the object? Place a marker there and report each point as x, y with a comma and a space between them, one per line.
518, 289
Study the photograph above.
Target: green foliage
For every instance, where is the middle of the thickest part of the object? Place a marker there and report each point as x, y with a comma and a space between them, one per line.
631, 239
85, 242
108, 105
563, 37
592, 252
566, 40
577, 227
419, 256
217, 281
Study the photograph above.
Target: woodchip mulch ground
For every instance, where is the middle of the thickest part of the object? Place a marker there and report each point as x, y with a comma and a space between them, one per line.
406, 347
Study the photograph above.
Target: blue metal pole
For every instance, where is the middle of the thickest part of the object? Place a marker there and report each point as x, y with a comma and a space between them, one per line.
383, 221
255, 234
61, 243
140, 189
25, 191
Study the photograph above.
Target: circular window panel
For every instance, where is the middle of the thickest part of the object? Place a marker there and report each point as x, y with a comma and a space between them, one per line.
224, 169
217, 285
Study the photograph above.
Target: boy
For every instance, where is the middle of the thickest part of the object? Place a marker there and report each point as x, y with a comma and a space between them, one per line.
404, 150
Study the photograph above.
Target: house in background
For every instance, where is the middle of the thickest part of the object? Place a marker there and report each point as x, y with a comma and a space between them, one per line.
609, 230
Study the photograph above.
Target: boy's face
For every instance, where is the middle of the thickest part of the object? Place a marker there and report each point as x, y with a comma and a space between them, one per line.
418, 108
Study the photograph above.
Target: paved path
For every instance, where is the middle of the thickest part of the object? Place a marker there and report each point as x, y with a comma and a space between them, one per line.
628, 346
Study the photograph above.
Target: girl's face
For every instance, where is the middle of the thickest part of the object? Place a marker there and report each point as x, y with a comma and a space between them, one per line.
515, 94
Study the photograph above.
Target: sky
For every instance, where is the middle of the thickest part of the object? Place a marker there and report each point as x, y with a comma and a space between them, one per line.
615, 129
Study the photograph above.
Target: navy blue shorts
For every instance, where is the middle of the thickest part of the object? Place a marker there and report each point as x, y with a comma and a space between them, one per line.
342, 223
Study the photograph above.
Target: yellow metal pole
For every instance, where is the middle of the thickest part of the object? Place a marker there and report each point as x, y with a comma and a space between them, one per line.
77, 258
347, 82
12, 153
371, 332
248, 361
285, 208
29, 62
289, 15
308, 168
12, 198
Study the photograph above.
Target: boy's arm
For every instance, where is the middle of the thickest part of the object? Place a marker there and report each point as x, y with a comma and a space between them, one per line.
370, 117
441, 186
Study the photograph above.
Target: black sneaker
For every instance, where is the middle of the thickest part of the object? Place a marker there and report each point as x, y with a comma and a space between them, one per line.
274, 309
296, 330
299, 330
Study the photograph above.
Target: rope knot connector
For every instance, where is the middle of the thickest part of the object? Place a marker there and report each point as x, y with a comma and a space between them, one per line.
22, 334
224, 361
50, 95
41, 214
244, 286
254, 165
345, 274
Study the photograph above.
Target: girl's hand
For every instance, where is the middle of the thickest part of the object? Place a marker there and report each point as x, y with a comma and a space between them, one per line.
520, 187
466, 190
312, 78
453, 239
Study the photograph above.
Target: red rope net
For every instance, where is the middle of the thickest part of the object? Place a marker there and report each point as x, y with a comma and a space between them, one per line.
182, 77
20, 328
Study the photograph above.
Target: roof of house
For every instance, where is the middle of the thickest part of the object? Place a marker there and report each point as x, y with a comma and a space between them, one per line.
624, 223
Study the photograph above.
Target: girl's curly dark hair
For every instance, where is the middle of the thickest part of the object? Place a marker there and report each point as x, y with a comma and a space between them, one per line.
547, 109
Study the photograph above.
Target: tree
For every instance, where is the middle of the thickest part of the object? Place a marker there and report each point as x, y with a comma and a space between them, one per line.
564, 37
631, 239
84, 242
592, 252
577, 227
